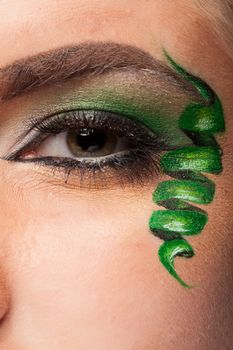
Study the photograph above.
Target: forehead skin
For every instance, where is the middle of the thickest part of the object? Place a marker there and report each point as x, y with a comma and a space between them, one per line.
68, 22
82, 278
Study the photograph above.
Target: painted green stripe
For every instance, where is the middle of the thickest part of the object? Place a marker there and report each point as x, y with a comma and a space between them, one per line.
198, 121
197, 118
202, 87
171, 249
184, 222
199, 159
193, 191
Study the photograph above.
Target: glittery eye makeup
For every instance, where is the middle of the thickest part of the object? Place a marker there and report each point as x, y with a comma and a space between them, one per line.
199, 121
121, 123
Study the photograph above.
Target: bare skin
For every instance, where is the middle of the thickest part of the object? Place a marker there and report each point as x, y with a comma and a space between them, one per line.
68, 282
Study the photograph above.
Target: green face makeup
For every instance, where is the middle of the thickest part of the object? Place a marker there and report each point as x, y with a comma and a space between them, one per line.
198, 121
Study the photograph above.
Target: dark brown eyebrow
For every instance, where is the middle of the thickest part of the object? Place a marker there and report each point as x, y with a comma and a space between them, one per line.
84, 60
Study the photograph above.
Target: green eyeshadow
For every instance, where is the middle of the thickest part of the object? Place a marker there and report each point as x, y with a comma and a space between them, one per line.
186, 164
135, 96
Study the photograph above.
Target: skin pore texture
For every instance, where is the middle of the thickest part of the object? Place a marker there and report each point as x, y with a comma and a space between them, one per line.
199, 121
79, 267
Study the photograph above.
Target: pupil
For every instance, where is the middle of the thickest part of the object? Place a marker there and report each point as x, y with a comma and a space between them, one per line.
91, 140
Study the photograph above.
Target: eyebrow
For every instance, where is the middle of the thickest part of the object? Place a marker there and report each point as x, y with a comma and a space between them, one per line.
84, 60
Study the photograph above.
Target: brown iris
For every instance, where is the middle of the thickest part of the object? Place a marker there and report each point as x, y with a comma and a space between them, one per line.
89, 142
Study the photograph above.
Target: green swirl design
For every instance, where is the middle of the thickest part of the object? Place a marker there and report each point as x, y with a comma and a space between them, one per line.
185, 165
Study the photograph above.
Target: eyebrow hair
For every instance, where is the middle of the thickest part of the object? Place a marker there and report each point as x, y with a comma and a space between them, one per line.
84, 60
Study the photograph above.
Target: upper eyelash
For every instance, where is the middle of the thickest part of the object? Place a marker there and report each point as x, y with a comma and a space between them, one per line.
98, 119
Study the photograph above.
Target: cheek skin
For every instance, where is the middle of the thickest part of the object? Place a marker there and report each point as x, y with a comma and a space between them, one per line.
94, 282
63, 268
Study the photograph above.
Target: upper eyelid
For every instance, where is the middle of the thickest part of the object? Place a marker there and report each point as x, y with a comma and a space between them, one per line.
146, 102
29, 123
146, 80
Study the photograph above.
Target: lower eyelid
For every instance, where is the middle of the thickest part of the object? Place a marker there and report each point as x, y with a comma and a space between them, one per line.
125, 174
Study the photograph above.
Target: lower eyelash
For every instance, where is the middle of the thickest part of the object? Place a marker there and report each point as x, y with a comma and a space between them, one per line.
135, 167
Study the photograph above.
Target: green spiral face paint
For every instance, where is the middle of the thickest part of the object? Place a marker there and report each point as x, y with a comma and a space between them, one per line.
199, 121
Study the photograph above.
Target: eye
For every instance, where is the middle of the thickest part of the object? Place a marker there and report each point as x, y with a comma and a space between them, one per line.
90, 142
84, 141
